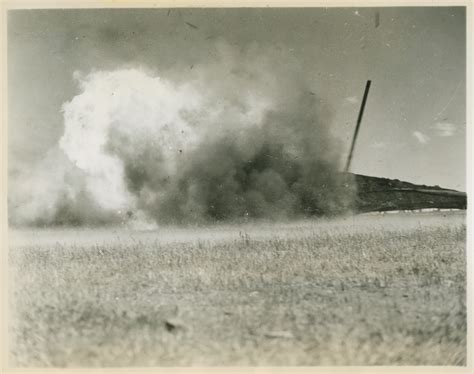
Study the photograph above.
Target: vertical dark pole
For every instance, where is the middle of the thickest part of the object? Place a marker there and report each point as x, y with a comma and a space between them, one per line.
359, 120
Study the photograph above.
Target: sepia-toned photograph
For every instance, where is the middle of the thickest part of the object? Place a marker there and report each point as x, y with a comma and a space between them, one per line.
260, 186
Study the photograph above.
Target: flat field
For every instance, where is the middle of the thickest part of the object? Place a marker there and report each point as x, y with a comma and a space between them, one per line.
363, 290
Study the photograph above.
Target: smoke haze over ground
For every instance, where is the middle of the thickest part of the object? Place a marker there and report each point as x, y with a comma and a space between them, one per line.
241, 137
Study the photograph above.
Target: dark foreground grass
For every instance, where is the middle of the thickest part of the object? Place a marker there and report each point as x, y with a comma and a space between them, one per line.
366, 290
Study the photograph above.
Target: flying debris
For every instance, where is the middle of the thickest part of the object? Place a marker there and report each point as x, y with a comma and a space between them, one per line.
377, 18
359, 120
191, 25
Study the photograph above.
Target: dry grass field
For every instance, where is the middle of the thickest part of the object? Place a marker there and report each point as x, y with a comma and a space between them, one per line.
364, 290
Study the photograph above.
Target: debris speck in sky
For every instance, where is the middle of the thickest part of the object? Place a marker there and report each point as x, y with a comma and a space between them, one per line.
191, 25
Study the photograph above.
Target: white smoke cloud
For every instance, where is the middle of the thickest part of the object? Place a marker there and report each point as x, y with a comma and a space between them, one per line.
36, 196
422, 138
444, 129
352, 99
134, 106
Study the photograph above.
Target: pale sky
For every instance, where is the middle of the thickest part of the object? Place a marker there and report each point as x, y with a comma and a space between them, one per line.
414, 127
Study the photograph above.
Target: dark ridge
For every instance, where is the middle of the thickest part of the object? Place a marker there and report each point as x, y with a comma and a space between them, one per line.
383, 194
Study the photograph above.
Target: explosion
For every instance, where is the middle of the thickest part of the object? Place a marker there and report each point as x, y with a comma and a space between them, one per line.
242, 137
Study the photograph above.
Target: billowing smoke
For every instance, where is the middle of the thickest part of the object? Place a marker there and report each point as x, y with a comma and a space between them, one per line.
243, 137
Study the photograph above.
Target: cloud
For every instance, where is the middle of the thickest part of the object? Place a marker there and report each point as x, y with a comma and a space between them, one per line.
351, 99
422, 138
444, 128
